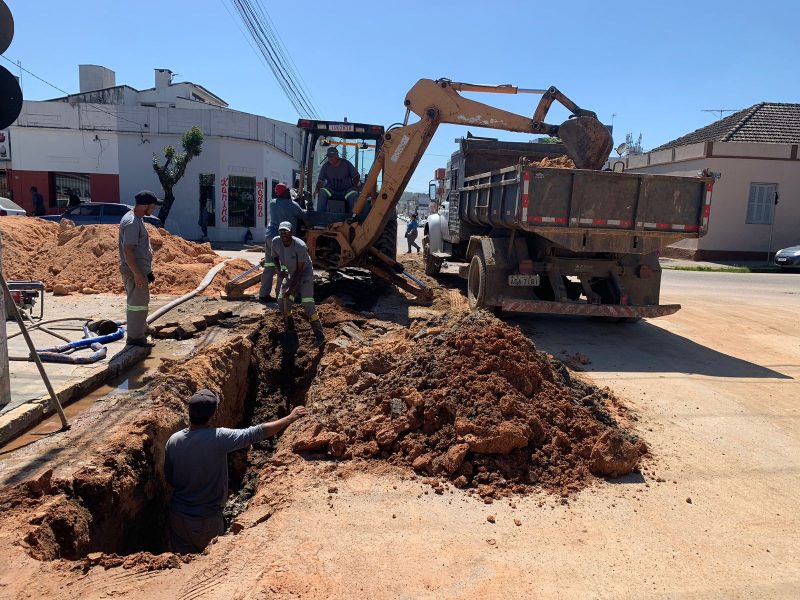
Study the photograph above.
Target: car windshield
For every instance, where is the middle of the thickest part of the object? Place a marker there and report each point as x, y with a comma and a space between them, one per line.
9, 205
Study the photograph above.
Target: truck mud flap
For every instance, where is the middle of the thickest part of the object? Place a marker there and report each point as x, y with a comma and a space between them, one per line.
590, 310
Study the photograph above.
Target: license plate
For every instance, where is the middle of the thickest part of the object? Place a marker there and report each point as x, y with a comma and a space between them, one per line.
521, 280
340, 127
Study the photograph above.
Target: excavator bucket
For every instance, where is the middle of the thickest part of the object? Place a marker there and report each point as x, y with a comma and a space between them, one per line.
588, 142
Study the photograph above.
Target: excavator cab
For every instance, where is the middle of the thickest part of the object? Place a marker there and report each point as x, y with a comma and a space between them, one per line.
357, 143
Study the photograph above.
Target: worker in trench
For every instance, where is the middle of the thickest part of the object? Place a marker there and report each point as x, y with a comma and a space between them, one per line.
297, 275
281, 209
136, 266
196, 466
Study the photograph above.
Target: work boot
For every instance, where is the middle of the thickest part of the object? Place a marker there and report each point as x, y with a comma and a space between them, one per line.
319, 333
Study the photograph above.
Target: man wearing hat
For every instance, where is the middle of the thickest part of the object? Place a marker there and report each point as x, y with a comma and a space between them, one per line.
337, 177
136, 266
196, 466
296, 275
281, 209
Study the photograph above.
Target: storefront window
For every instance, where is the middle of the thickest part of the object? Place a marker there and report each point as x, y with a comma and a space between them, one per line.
242, 201
208, 199
71, 186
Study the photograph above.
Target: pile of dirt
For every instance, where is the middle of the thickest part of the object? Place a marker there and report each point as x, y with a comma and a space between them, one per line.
559, 162
84, 259
469, 399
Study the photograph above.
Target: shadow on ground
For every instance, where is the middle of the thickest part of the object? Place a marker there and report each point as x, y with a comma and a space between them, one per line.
634, 347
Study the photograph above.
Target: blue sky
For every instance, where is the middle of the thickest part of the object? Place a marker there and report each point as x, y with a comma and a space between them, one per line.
655, 65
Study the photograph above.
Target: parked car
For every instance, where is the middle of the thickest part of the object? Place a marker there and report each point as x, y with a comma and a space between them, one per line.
98, 213
10, 209
788, 258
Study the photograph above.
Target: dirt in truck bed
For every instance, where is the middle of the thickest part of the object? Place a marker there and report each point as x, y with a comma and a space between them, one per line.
84, 259
559, 162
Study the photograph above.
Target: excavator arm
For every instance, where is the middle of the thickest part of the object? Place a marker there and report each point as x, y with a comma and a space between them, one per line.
587, 140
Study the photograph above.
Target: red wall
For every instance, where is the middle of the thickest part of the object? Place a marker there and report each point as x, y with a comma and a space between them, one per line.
20, 183
105, 188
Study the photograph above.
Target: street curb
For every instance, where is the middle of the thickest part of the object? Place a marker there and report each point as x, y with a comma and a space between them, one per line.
17, 421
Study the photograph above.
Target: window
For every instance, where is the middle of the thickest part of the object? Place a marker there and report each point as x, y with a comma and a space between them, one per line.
115, 210
88, 210
760, 203
242, 201
71, 184
208, 195
4, 191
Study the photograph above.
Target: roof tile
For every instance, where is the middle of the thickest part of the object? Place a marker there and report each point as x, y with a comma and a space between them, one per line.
763, 123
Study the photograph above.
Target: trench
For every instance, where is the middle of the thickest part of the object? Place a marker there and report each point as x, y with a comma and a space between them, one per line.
121, 508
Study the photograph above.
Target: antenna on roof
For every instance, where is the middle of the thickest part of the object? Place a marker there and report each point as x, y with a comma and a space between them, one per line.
720, 111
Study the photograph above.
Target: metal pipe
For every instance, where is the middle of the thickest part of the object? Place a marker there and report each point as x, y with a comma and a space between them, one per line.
29, 341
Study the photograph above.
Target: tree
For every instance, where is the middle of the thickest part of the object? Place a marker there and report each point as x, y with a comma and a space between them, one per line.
174, 167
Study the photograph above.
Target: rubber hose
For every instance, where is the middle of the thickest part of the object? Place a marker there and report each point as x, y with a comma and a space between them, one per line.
203, 285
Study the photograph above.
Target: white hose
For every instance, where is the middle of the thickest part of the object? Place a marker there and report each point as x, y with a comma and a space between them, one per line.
203, 285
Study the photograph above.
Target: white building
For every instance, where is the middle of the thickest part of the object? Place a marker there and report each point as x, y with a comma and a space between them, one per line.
100, 142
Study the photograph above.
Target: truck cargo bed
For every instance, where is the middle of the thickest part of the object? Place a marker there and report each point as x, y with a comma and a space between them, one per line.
588, 211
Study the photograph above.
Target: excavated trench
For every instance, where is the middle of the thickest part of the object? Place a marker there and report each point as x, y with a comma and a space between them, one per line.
507, 420
116, 504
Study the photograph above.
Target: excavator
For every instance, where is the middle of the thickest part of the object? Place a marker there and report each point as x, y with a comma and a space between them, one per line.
367, 237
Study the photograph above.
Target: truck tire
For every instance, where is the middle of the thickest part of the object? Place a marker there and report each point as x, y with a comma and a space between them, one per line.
476, 282
433, 265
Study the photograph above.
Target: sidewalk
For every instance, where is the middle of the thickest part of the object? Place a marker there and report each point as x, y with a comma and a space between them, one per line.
671, 263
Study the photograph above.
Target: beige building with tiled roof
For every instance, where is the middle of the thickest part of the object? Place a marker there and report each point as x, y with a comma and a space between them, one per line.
755, 151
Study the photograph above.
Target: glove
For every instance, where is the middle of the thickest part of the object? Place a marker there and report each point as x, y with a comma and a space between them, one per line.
150, 277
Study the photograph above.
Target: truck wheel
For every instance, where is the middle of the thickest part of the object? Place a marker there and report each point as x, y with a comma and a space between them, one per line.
476, 282
432, 265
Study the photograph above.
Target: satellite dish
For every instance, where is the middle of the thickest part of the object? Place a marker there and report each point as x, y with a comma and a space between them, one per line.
622, 149
6, 27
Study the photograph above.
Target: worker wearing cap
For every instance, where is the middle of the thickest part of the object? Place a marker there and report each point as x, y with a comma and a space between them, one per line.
339, 177
281, 209
196, 466
136, 266
296, 275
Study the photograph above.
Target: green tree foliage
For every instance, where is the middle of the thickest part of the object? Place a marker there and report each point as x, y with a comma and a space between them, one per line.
174, 167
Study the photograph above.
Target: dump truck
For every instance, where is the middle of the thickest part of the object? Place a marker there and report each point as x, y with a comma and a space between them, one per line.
540, 239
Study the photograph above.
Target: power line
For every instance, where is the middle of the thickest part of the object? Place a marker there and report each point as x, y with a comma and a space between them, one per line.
55, 87
264, 34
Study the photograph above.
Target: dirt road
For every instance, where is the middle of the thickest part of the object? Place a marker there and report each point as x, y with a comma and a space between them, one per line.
713, 514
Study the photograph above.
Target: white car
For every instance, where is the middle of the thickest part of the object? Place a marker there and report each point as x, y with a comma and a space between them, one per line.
9, 209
